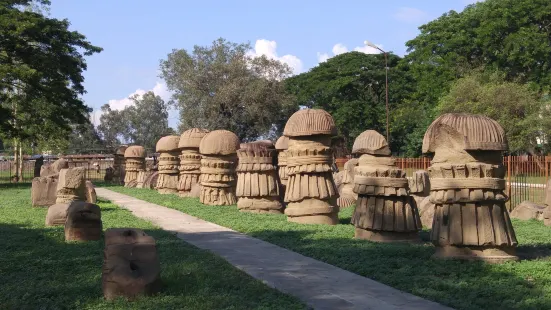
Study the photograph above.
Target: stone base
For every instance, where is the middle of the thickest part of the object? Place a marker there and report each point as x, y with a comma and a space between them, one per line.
57, 214
327, 219
386, 236
260, 205
164, 191
486, 254
217, 196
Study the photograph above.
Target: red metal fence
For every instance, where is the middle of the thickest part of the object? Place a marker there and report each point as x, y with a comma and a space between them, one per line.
526, 175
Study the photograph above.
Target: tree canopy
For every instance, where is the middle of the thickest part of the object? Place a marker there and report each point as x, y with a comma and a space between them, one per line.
41, 66
222, 87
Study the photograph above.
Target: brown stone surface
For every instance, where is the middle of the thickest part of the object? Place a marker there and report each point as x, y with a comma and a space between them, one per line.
109, 174
43, 191
142, 179
57, 214
190, 161
54, 168
547, 216
347, 197
134, 163
528, 210
257, 185
218, 163
131, 265
118, 165
466, 175
426, 211
547, 198
169, 162
151, 181
83, 222
282, 144
385, 212
311, 194
71, 185
419, 183
90, 192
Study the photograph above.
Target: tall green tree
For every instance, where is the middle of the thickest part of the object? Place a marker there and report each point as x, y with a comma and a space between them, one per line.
85, 139
142, 123
351, 86
221, 87
524, 116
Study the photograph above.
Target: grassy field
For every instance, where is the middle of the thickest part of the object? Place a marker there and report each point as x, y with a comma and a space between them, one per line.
462, 285
38, 270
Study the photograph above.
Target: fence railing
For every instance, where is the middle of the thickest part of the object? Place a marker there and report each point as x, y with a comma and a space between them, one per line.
526, 176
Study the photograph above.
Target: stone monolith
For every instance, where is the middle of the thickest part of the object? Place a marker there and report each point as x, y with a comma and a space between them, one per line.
134, 157
167, 182
190, 161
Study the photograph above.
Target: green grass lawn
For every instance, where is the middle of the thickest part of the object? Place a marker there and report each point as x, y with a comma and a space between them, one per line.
39, 270
462, 285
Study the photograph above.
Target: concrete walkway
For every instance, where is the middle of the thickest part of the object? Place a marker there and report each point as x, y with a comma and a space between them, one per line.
320, 285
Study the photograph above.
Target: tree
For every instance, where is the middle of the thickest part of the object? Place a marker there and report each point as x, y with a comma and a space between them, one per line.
519, 109
85, 139
351, 87
142, 123
221, 87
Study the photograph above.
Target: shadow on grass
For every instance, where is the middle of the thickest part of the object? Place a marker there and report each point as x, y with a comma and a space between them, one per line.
15, 185
39, 270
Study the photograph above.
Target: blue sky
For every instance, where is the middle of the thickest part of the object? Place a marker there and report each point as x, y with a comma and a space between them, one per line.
137, 34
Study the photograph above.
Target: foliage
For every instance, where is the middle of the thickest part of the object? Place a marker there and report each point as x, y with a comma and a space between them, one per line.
142, 123
39, 270
461, 285
222, 87
517, 108
85, 139
41, 65
351, 87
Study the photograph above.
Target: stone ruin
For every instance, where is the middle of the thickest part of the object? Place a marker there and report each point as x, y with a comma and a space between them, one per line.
384, 212
119, 164
347, 197
44, 188
282, 144
134, 157
311, 194
218, 162
83, 222
70, 187
190, 162
147, 179
257, 186
470, 221
131, 265
419, 189
167, 181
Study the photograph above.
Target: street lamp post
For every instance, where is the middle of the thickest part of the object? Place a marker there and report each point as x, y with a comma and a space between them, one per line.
386, 84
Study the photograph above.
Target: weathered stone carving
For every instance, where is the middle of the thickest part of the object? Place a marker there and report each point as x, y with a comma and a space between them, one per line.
130, 264
257, 187
54, 168
384, 211
134, 163
83, 222
119, 165
466, 173
71, 187
311, 194
190, 160
167, 182
347, 197
419, 189
44, 188
282, 144
528, 210
218, 162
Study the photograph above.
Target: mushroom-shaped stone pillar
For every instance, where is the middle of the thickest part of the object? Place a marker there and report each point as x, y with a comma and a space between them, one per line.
218, 162
384, 211
282, 144
257, 187
134, 163
347, 197
467, 182
169, 163
118, 164
190, 161
311, 194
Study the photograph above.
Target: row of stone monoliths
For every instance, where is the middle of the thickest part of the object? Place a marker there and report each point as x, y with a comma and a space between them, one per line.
470, 219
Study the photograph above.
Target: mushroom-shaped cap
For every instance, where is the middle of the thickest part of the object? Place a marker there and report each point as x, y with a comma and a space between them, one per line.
219, 142
479, 132
371, 142
135, 151
282, 143
192, 138
168, 144
309, 122
121, 149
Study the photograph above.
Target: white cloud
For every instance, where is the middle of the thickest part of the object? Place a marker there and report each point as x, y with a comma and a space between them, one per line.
411, 15
340, 48
269, 49
160, 89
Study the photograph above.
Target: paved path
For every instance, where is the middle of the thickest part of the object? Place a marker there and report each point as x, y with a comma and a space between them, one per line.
320, 285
